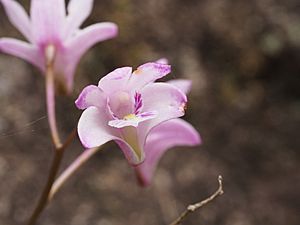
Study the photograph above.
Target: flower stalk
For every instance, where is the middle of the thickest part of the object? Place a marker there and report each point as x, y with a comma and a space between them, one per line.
50, 95
71, 170
43, 199
58, 146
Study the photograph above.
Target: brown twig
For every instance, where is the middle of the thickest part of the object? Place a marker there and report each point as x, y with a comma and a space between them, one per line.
192, 208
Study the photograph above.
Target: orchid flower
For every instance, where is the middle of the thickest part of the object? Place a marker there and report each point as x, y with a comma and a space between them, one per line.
139, 114
49, 27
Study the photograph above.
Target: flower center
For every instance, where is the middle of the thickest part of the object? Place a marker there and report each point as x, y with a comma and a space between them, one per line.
50, 54
121, 104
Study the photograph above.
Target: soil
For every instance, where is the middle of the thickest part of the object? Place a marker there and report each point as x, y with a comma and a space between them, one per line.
243, 58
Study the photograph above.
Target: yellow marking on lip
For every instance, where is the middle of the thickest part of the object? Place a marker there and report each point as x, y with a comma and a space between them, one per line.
129, 117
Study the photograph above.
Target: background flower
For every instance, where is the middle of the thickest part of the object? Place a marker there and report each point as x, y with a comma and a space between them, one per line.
49, 25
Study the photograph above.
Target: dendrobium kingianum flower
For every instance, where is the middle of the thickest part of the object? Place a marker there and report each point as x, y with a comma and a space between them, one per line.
50, 28
139, 114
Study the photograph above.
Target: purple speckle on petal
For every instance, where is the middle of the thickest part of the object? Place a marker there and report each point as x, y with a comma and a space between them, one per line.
163, 68
138, 103
147, 114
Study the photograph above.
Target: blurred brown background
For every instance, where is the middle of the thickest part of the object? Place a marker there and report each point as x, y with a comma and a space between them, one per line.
244, 60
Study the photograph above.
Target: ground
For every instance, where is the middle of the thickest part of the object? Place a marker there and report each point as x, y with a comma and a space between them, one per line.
243, 59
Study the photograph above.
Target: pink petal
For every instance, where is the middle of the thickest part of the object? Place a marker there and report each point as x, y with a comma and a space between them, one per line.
115, 80
183, 84
167, 100
68, 56
148, 73
48, 20
65, 67
89, 36
169, 134
93, 129
91, 96
18, 17
78, 11
22, 50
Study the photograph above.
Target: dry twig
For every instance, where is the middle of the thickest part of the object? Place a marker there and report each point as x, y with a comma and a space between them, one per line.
192, 208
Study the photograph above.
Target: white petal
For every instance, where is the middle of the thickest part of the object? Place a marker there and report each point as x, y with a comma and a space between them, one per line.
93, 129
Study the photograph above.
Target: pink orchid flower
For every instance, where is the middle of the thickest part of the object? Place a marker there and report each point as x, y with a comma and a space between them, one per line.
49, 26
139, 114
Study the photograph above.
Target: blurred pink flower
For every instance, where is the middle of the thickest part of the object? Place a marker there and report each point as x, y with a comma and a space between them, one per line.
139, 114
49, 26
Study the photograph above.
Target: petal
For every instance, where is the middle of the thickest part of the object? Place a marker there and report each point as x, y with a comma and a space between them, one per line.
129, 153
48, 20
167, 100
78, 11
93, 129
22, 50
148, 73
136, 151
162, 61
68, 57
133, 121
176, 132
89, 36
115, 80
183, 84
119, 123
18, 17
91, 96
